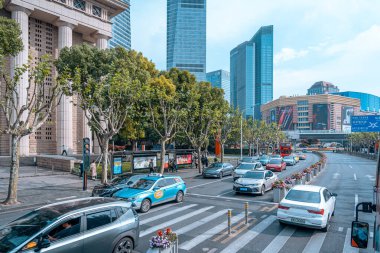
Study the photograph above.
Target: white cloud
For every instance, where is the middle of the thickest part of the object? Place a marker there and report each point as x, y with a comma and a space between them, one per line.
287, 54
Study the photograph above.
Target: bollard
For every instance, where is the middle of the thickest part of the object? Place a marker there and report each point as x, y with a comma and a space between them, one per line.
246, 212
229, 213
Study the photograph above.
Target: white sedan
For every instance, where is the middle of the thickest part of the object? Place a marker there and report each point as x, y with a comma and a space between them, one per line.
308, 206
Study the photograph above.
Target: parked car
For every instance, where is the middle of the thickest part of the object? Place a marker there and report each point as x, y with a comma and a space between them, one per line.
301, 156
243, 168
97, 224
290, 160
250, 159
153, 189
304, 151
277, 165
218, 170
264, 159
308, 206
276, 156
296, 157
256, 182
106, 190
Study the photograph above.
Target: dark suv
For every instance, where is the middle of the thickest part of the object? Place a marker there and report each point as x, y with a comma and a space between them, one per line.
80, 226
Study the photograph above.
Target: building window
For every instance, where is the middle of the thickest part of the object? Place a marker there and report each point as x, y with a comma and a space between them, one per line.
96, 11
80, 4
302, 102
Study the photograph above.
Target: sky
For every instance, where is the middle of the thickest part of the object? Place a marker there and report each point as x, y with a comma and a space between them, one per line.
327, 40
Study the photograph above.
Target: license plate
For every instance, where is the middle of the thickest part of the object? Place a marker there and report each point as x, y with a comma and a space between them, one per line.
244, 189
297, 220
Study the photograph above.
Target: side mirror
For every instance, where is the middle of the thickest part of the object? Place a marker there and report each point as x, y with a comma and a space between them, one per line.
334, 194
129, 182
359, 234
43, 243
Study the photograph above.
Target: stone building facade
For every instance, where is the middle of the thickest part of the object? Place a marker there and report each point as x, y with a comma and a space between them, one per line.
48, 26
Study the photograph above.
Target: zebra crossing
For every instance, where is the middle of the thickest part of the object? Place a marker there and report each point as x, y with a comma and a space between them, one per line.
203, 228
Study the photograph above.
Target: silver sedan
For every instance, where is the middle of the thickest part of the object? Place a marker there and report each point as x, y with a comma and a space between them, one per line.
256, 182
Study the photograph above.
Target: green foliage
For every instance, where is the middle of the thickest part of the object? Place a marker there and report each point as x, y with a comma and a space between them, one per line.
10, 37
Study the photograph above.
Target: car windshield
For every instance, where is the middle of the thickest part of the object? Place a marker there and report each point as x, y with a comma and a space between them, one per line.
303, 196
20, 230
216, 165
254, 175
245, 166
275, 161
246, 159
120, 180
264, 157
143, 184
288, 157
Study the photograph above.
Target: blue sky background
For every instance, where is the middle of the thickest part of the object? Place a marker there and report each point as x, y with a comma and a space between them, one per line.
330, 40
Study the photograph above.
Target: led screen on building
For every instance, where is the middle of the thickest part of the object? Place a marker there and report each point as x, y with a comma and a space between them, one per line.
347, 112
285, 117
321, 117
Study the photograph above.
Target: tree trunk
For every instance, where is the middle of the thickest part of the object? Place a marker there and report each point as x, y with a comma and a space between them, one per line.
104, 161
199, 160
222, 154
162, 156
13, 177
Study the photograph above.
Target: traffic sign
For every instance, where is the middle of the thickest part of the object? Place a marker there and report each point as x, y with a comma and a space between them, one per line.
369, 123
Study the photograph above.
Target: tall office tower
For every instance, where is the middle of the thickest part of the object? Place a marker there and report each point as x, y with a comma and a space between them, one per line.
121, 29
251, 73
186, 36
221, 79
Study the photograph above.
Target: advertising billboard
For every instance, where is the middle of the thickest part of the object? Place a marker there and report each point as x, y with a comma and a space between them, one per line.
285, 117
117, 166
184, 159
142, 162
347, 112
273, 116
321, 117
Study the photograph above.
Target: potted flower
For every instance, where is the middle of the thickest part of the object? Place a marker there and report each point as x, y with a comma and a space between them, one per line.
315, 169
298, 177
290, 181
159, 243
279, 190
307, 172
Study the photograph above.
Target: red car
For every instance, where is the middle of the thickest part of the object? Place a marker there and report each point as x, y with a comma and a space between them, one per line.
276, 165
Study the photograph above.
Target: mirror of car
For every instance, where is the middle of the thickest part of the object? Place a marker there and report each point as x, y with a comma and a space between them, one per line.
43, 243
334, 194
359, 234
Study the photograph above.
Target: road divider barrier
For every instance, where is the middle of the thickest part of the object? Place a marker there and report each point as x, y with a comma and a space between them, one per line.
229, 214
246, 212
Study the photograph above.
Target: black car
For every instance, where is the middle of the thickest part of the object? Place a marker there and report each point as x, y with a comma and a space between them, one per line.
106, 190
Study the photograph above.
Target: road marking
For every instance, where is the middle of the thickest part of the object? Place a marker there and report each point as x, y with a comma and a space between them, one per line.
232, 198
315, 243
350, 166
69, 197
340, 229
242, 229
209, 233
201, 222
224, 193
356, 203
174, 221
264, 216
371, 178
213, 182
160, 208
347, 243
371, 234
156, 217
236, 245
280, 240
213, 250
336, 175
355, 176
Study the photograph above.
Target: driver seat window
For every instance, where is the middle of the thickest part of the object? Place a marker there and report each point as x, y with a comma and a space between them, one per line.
161, 183
66, 229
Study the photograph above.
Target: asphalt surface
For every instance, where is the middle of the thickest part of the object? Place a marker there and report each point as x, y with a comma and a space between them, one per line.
201, 219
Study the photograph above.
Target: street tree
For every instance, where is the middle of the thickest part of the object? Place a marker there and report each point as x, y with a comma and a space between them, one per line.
204, 110
108, 83
167, 96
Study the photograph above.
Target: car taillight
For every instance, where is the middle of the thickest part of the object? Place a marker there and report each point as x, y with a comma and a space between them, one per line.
321, 212
283, 207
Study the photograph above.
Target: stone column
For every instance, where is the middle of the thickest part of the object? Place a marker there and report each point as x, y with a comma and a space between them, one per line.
65, 108
21, 15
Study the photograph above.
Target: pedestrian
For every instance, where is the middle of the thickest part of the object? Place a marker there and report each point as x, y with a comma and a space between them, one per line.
175, 166
215, 159
203, 160
64, 151
206, 161
81, 169
93, 170
151, 166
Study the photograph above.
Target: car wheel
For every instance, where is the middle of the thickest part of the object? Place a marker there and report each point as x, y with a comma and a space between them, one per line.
221, 175
145, 206
327, 225
179, 197
124, 245
262, 191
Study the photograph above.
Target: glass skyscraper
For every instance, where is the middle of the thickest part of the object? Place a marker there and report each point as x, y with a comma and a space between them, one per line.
220, 79
121, 29
186, 36
251, 73
368, 102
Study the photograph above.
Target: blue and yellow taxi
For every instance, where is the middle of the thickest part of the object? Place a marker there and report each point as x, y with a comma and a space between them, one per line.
152, 190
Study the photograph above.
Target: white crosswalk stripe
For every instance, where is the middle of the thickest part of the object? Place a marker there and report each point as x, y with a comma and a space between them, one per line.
171, 212
347, 243
249, 235
208, 234
174, 221
280, 240
315, 243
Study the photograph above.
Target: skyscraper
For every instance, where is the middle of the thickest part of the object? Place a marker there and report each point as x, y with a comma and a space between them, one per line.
186, 36
251, 68
121, 29
221, 79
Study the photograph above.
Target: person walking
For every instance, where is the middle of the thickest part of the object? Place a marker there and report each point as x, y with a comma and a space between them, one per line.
93, 170
81, 169
151, 166
206, 161
175, 166
64, 151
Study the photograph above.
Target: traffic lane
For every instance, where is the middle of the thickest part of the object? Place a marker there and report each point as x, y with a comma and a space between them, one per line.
223, 187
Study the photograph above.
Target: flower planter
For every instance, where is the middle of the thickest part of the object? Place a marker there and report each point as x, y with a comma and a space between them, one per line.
315, 172
303, 180
158, 250
319, 167
298, 181
308, 177
278, 194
